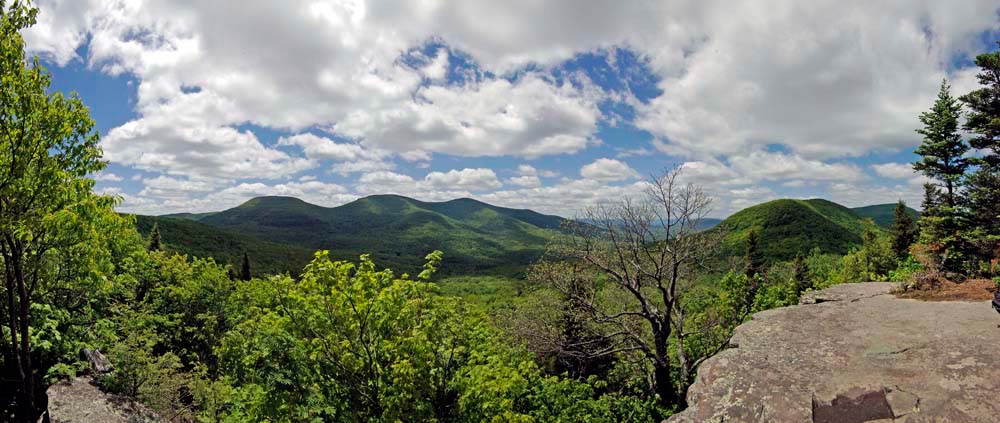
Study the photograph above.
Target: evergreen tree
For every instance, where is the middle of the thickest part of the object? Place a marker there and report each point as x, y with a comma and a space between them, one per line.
154, 239
231, 272
755, 261
800, 275
903, 230
245, 268
754, 268
943, 151
983, 185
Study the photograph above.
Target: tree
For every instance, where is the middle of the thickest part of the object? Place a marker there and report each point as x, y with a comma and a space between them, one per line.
943, 151
47, 206
650, 251
154, 239
800, 275
756, 266
983, 185
755, 261
245, 268
904, 231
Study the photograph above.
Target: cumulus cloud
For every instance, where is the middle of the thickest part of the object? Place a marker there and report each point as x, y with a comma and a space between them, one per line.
825, 80
762, 165
108, 177
465, 179
169, 195
900, 171
608, 170
528, 181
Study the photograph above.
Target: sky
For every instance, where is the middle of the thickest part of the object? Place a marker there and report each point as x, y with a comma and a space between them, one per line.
552, 106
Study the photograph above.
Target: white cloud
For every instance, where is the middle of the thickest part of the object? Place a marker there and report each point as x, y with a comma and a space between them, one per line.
608, 170
175, 140
108, 177
825, 79
465, 179
159, 200
528, 181
902, 171
894, 170
760, 165
529, 117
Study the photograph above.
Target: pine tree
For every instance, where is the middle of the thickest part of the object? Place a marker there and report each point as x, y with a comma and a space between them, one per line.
943, 151
755, 261
903, 230
154, 239
245, 268
800, 275
755, 265
983, 185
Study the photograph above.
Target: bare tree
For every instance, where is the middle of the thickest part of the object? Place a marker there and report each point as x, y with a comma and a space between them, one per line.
626, 269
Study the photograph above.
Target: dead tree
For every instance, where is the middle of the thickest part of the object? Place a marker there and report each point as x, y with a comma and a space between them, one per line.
646, 253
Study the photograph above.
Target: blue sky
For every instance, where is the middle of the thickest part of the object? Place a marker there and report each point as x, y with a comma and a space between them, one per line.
552, 106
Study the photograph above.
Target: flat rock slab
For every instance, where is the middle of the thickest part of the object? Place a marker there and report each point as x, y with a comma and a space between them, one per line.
80, 401
855, 353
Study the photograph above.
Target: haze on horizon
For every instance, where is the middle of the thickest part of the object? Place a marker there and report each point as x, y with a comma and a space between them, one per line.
548, 106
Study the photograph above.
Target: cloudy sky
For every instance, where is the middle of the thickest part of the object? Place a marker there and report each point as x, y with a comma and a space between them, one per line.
549, 105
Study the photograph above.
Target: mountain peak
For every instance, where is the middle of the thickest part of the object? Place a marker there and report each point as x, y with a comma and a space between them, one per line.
269, 200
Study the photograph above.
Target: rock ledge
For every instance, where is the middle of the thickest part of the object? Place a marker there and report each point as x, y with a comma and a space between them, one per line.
855, 353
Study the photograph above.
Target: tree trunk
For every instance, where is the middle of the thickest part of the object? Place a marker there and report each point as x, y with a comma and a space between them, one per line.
19, 324
662, 376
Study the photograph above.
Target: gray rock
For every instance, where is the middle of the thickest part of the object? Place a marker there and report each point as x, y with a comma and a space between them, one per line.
854, 352
98, 363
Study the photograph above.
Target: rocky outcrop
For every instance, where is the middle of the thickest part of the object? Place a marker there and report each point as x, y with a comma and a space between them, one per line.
80, 401
855, 353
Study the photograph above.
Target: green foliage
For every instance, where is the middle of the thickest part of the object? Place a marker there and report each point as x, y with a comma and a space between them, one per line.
154, 239
943, 150
350, 343
905, 270
196, 239
789, 227
393, 229
755, 261
883, 214
872, 262
983, 185
245, 273
904, 232
54, 245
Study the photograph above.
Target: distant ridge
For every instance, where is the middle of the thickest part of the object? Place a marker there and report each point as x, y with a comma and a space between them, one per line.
883, 214
396, 230
788, 227
187, 236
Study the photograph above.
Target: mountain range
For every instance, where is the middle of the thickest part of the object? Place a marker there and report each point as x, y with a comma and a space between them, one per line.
395, 230
280, 234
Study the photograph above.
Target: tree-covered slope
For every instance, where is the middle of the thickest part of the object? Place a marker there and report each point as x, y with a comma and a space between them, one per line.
883, 214
226, 247
788, 227
397, 231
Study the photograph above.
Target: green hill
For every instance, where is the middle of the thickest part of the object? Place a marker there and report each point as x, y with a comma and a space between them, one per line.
200, 240
883, 214
397, 231
788, 227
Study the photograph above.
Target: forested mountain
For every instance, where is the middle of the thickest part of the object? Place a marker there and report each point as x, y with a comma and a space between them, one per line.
882, 214
226, 247
395, 230
788, 227
280, 233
